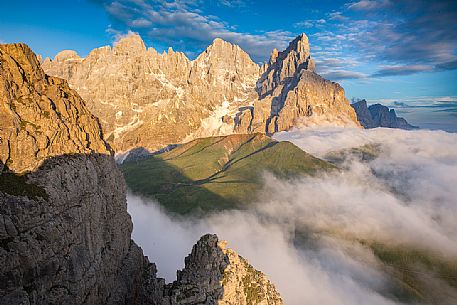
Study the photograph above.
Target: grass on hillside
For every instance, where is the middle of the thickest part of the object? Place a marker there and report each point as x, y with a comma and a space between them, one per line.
431, 278
216, 173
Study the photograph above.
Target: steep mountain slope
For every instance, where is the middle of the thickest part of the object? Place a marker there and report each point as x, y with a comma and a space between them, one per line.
41, 113
378, 115
150, 100
65, 234
216, 173
64, 229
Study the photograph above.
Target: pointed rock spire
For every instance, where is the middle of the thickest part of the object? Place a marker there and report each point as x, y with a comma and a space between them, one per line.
300, 44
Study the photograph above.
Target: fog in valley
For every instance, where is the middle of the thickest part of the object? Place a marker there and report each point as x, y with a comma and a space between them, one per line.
306, 234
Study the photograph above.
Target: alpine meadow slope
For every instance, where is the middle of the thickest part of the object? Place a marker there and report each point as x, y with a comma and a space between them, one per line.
217, 173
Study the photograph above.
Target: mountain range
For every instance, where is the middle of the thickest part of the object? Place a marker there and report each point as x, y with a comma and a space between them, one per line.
148, 99
378, 115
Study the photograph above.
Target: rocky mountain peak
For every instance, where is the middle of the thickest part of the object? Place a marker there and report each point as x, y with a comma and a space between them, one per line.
378, 115
286, 64
221, 43
226, 64
274, 54
66, 55
26, 64
300, 45
130, 44
214, 274
220, 48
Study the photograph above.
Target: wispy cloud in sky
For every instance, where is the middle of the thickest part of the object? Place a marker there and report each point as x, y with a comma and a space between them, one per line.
183, 25
351, 41
416, 35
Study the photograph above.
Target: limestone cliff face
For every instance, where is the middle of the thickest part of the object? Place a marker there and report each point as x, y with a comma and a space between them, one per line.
41, 113
65, 234
214, 274
71, 243
151, 100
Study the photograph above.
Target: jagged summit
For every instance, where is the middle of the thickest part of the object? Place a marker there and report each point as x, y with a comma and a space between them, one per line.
214, 274
300, 44
66, 55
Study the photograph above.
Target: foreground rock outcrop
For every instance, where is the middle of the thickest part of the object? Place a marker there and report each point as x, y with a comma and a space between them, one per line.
147, 99
71, 243
378, 115
214, 274
65, 234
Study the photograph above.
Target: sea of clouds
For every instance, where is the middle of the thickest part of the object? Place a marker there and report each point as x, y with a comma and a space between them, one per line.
407, 196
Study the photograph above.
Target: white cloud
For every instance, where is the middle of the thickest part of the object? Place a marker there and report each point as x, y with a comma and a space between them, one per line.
140, 23
343, 74
368, 5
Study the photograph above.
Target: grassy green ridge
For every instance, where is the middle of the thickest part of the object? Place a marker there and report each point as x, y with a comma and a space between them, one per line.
218, 172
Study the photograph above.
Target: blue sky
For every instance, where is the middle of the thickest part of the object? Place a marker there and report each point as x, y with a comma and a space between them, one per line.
381, 49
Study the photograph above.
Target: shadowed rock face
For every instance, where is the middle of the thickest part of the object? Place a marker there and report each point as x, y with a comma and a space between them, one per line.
151, 100
377, 115
65, 234
73, 246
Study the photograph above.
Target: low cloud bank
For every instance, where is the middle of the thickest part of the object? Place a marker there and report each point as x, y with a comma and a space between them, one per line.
405, 196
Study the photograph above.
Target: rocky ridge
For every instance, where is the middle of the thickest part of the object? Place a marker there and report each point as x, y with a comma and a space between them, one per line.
378, 115
151, 100
65, 234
